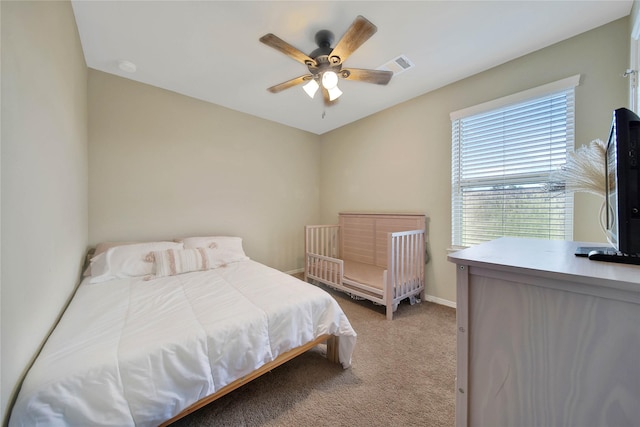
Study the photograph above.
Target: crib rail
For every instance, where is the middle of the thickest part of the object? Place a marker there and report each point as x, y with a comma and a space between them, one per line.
406, 270
324, 269
321, 254
322, 240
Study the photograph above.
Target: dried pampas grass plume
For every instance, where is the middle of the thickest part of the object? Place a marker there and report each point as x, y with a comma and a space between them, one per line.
585, 169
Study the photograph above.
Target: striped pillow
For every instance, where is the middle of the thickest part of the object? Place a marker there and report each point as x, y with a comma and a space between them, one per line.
177, 261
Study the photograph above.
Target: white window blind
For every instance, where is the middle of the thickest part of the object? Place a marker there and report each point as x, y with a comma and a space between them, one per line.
502, 160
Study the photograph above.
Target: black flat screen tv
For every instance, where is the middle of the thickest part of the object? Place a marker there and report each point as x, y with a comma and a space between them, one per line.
622, 186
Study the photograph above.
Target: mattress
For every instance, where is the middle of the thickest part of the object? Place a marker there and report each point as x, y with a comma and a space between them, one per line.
137, 352
368, 274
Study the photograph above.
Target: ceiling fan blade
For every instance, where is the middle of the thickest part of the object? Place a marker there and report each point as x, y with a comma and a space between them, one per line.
278, 44
356, 35
378, 77
290, 83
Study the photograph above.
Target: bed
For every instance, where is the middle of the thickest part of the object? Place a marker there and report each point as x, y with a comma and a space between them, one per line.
374, 256
159, 329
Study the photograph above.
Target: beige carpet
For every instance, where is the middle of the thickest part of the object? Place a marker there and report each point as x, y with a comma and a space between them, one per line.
403, 374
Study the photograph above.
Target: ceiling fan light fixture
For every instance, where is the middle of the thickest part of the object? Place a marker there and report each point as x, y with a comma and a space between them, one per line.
311, 88
334, 93
329, 80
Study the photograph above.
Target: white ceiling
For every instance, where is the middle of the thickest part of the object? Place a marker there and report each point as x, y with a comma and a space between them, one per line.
210, 50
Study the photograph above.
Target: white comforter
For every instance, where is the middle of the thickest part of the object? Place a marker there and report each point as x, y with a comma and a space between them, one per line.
134, 352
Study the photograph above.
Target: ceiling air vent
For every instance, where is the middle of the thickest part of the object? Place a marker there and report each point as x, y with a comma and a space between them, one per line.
397, 65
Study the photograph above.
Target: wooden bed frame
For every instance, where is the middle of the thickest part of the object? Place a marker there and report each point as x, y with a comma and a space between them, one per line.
332, 355
379, 257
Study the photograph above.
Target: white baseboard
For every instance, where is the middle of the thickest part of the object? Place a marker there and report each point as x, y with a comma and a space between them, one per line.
440, 301
299, 270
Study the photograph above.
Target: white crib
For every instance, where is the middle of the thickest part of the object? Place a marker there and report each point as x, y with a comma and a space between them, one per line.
378, 257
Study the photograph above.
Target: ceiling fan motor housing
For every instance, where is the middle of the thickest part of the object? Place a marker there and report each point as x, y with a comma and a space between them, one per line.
322, 64
323, 61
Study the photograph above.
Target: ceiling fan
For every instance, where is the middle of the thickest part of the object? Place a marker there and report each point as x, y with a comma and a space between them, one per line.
325, 63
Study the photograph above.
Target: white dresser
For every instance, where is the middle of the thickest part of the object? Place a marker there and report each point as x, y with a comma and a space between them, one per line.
546, 338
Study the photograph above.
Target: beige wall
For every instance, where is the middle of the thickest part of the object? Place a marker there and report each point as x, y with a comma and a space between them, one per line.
44, 176
163, 165
400, 159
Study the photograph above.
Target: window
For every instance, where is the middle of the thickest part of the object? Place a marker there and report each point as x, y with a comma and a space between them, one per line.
503, 154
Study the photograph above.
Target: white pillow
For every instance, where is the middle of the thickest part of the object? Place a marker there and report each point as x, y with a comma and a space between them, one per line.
127, 261
103, 247
177, 261
228, 248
